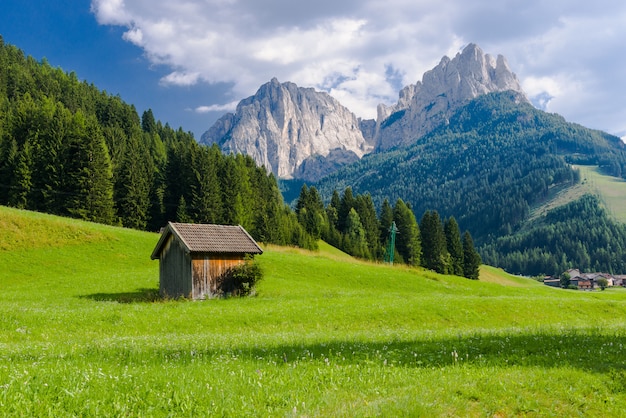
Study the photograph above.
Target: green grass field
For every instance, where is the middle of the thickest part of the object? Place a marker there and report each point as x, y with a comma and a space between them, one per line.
611, 190
82, 333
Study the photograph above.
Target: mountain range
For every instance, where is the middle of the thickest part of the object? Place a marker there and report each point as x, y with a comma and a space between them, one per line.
301, 133
464, 141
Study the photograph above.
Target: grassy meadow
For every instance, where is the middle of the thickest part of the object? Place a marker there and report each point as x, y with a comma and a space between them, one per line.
83, 333
611, 190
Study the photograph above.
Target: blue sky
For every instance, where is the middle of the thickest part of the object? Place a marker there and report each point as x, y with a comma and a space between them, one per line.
192, 60
68, 35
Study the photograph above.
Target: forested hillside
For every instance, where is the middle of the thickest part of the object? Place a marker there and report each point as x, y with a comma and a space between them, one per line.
351, 223
69, 149
487, 167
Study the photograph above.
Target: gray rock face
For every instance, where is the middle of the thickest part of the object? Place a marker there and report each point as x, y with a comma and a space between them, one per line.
315, 167
451, 84
283, 125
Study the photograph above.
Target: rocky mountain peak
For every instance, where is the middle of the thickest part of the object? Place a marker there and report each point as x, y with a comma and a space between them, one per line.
423, 106
283, 125
303, 133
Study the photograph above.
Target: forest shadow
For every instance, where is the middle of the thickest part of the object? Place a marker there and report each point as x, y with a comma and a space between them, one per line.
581, 349
144, 295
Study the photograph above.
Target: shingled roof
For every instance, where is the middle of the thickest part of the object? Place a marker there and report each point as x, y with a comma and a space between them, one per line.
208, 238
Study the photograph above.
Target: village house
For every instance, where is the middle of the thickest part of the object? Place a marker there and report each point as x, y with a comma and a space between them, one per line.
588, 281
194, 257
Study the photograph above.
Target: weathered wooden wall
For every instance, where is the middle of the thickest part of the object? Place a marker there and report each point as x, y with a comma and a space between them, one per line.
175, 270
207, 270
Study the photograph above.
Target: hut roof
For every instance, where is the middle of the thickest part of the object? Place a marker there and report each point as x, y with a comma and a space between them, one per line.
208, 238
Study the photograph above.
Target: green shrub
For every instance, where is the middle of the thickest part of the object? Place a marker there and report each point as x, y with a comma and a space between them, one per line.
240, 280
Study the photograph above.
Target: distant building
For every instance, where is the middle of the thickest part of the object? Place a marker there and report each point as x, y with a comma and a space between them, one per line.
589, 281
552, 282
194, 257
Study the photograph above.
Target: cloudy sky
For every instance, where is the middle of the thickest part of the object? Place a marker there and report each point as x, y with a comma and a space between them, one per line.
192, 60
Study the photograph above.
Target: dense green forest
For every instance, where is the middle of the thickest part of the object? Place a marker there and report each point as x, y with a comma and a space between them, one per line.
580, 234
69, 149
494, 159
351, 223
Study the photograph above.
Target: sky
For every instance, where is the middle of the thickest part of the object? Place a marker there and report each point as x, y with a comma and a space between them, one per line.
190, 61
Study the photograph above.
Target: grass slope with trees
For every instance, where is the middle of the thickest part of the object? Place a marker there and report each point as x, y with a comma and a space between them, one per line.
494, 161
82, 333
69, 149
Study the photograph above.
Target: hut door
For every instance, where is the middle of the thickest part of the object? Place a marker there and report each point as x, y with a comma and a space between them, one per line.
206, 277
201, 278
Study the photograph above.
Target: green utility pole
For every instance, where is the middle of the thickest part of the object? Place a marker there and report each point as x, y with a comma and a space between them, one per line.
391, 248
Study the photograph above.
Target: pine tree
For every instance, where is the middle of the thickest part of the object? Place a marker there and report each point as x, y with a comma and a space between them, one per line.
408, 241
232, 210
269, 215
385, 221
148, 124
333, 209
310, 211
132, 191
246, 194
182, 214
367, 212
347, 203
332, 234
88, 173
206, 201
355, 241
20, 186
9, 156
434, 253
454, 246
471, 258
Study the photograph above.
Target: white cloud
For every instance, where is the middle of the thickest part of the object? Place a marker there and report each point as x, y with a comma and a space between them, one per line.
178, 78
228, 107
110, 12
567, 53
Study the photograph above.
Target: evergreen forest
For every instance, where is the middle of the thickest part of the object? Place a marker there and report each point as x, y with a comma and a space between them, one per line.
69, 149
351, 223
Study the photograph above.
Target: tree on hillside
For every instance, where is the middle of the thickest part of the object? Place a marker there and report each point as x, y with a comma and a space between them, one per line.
471, 258
355, 240
347, 203
332, 210
311, 212
148, 124
207, 196
454, 246
132, 190
21, 183
89, 179
385, 219
434, 252
367, 212
408, 240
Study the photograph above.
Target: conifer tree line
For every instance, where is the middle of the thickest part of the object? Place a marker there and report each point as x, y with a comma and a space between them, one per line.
352, 224
69, 149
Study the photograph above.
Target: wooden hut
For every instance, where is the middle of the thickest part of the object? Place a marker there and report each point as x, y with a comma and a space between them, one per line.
193, 257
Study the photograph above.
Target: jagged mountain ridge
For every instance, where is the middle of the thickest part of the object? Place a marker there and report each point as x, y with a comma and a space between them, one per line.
423, 106
284, 125
299, 132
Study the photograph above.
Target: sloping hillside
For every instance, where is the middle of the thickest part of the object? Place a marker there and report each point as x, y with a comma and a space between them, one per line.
493, 162
82, 333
